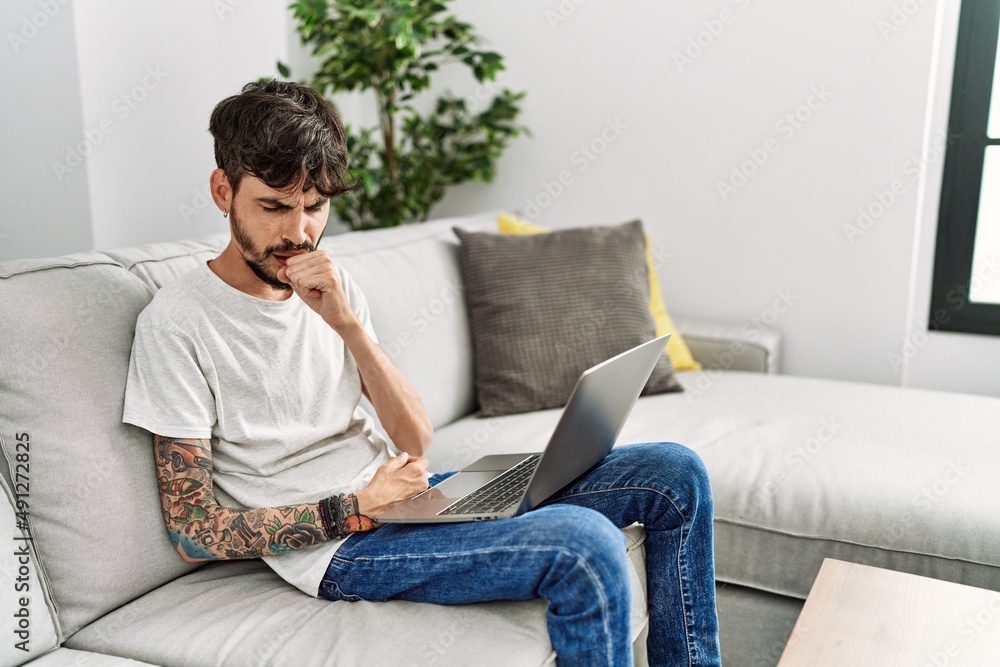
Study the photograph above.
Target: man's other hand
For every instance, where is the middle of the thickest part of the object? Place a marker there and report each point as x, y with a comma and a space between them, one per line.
313, 277
396, 481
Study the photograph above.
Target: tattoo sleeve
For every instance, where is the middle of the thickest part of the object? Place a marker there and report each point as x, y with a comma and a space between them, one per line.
201, 529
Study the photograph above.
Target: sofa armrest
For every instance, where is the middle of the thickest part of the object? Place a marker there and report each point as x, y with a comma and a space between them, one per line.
739, 347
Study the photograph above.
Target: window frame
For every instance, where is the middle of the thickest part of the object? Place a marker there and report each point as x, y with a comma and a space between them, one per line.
975, 56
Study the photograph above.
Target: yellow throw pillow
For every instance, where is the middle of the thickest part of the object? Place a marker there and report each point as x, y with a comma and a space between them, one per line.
677, 349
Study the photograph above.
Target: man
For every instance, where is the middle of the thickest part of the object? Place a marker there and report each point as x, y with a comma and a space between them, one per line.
249, 370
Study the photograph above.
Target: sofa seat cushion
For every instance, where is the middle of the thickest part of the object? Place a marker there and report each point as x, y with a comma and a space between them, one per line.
804, 469
242, 613
67, 657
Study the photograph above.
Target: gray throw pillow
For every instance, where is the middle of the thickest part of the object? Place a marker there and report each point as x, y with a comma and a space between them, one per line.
546, 307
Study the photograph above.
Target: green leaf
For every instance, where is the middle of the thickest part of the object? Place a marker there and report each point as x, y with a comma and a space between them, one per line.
391, 49
284, 70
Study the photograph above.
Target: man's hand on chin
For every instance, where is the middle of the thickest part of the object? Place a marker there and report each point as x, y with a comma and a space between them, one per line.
313, 277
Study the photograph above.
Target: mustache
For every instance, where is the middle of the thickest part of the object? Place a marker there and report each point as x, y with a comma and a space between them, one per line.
308, 247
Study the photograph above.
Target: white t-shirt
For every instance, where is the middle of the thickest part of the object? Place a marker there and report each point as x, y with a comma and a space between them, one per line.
271, 384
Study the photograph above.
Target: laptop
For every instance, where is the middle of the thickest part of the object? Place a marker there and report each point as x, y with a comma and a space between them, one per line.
505, 485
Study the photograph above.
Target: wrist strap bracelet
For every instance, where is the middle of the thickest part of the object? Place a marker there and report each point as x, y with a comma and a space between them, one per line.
341, 516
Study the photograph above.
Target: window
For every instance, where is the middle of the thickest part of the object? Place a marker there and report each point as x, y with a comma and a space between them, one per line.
966, 290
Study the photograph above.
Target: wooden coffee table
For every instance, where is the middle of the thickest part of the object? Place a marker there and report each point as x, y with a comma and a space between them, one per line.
857, 615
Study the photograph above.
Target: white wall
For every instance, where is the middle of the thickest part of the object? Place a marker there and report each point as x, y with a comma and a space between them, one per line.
130, 85
794, 225
149, 177
41, 117
673, 134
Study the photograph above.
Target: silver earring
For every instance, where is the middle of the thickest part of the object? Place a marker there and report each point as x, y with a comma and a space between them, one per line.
225, 214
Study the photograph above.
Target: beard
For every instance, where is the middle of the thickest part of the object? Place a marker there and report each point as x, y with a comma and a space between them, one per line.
258, 262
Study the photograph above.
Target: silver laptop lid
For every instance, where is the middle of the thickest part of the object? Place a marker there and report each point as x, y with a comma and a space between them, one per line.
594, 417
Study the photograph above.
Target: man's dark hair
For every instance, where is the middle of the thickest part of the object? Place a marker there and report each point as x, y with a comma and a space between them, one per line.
284, 134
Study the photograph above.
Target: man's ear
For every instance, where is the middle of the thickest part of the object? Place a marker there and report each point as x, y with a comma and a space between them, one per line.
222, 191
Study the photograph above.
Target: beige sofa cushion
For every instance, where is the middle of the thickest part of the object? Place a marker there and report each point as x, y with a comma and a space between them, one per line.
241, 613
67, 657
95, 510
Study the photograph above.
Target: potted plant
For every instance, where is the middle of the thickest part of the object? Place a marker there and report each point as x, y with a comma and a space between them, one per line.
391, 47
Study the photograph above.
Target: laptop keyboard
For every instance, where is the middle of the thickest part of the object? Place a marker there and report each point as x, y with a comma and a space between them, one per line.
497, 494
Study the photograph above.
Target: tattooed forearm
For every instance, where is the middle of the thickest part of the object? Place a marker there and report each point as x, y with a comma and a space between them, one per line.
201, 529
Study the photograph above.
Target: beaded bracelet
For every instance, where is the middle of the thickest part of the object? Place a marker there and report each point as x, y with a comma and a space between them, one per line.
341, 516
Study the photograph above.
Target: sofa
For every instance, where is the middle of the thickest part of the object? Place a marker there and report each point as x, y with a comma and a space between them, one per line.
801, 469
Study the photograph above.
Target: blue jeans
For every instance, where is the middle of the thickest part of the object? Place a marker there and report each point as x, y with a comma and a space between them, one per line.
571, 552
